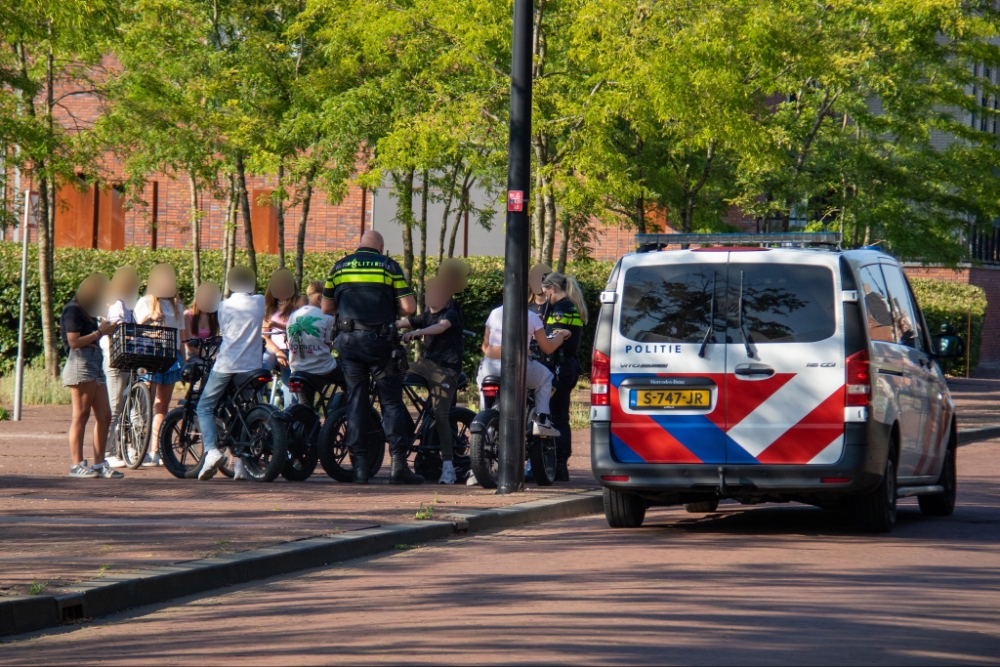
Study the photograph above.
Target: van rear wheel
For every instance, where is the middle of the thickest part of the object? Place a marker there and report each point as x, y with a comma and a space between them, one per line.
623, 510
875, 512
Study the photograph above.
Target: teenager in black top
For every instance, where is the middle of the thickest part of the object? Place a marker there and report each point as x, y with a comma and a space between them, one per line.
565, 310
441, 327
83, 373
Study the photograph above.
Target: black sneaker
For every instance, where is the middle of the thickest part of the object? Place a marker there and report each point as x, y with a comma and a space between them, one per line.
562, 472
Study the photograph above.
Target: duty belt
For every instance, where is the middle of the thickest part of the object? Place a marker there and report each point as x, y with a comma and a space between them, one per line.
353, 325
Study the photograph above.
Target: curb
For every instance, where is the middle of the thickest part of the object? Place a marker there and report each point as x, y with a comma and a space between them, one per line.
116, 593
970, 435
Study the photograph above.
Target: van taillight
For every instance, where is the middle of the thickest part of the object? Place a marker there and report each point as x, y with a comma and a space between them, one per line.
490, 390
600, 378
859, 379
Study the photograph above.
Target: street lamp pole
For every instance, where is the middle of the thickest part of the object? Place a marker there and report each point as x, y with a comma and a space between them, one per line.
513, 362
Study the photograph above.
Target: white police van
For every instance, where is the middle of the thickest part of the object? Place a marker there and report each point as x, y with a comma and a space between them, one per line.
768, 368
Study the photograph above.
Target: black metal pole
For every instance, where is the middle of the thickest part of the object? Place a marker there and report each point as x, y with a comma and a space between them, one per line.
513, 386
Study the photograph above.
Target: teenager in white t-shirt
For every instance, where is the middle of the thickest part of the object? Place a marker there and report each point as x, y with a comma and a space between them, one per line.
124, 294
241, 317
539, 377
310, 346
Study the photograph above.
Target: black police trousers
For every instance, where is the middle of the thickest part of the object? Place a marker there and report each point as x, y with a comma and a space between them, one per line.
563, 384
361, 355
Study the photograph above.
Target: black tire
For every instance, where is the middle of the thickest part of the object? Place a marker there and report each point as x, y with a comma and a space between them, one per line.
942, 504
702, 506
875, 512
136, 425
332, 446
267, 455
484, 455
428, 463
623, 510
542, 454
297, 430
180, 445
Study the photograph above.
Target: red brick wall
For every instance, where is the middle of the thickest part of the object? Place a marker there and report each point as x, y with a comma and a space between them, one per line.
988, 278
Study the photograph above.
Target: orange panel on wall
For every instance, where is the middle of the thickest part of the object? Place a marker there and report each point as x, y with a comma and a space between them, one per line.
75, 217
264, 221
110, 220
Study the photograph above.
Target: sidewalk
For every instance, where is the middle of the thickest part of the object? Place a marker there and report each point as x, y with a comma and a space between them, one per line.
63, 531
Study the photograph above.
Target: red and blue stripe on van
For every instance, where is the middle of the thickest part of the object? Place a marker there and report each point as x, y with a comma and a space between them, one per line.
668, 437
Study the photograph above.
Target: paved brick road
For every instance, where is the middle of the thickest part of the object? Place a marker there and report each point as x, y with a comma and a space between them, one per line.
767, 585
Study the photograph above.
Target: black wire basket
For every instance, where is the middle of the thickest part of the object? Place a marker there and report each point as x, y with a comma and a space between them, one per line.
135, 346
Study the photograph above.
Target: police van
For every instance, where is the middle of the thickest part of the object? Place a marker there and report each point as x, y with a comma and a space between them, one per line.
768, 368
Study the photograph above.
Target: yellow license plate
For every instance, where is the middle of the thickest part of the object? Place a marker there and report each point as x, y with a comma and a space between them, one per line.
671, 399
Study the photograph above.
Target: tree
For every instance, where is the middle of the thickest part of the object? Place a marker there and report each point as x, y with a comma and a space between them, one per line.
48, 42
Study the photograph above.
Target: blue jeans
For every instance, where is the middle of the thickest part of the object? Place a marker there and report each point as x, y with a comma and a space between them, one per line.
215, 387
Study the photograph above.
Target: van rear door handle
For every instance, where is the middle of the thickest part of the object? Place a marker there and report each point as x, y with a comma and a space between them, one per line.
754, 370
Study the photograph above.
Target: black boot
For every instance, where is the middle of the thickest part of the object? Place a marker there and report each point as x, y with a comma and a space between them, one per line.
360, 469
401, 473
562, 472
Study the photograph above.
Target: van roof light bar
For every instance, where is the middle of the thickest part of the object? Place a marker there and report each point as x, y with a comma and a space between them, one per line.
649, 242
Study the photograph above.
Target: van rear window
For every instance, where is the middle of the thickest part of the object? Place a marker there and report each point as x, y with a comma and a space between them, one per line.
782, 303
670, 303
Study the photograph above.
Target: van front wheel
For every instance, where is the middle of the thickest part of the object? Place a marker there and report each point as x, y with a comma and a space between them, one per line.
623, 510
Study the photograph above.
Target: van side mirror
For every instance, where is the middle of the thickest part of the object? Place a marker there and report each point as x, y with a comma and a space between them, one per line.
948, 346
948, 329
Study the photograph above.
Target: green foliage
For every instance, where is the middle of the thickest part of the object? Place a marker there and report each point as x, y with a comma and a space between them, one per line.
957, 304
4, 414
485, 291
40, 388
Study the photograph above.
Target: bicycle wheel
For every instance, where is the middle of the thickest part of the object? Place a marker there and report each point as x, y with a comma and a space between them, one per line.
484, 455
542, 454
266, 455
332, 446
136, 424
181, 446
296, 429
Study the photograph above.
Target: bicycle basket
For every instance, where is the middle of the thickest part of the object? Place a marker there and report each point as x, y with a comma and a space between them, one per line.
136, 346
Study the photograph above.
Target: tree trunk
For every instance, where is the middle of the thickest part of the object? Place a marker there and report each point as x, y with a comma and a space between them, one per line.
640, 214
46, 254
550, 222
241, 179
538, 219
404, 215
422, 267
195, 233
463, 210
281, 214
300, 242
444, 217
564, 243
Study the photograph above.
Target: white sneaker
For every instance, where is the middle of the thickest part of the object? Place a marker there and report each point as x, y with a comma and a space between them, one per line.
471, 480
544, 428
212, 460
114, 462
104, 470
152, 461
447, 473
81, 469
240, 470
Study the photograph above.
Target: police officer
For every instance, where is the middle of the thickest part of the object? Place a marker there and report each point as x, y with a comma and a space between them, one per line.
566, 310
367, 292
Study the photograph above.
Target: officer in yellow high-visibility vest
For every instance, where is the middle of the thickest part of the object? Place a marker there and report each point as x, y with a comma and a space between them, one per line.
367, 292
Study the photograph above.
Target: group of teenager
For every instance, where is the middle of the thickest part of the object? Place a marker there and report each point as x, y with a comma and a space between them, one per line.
356, 313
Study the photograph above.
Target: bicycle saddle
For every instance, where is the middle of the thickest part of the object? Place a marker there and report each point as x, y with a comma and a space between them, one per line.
261, 375
491, 379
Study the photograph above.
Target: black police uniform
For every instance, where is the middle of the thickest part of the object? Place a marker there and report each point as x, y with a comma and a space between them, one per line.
366, 286
565, 366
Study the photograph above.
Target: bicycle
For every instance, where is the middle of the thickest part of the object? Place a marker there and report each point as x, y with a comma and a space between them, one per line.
331, 446
243, 423
428, 460
483, 445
